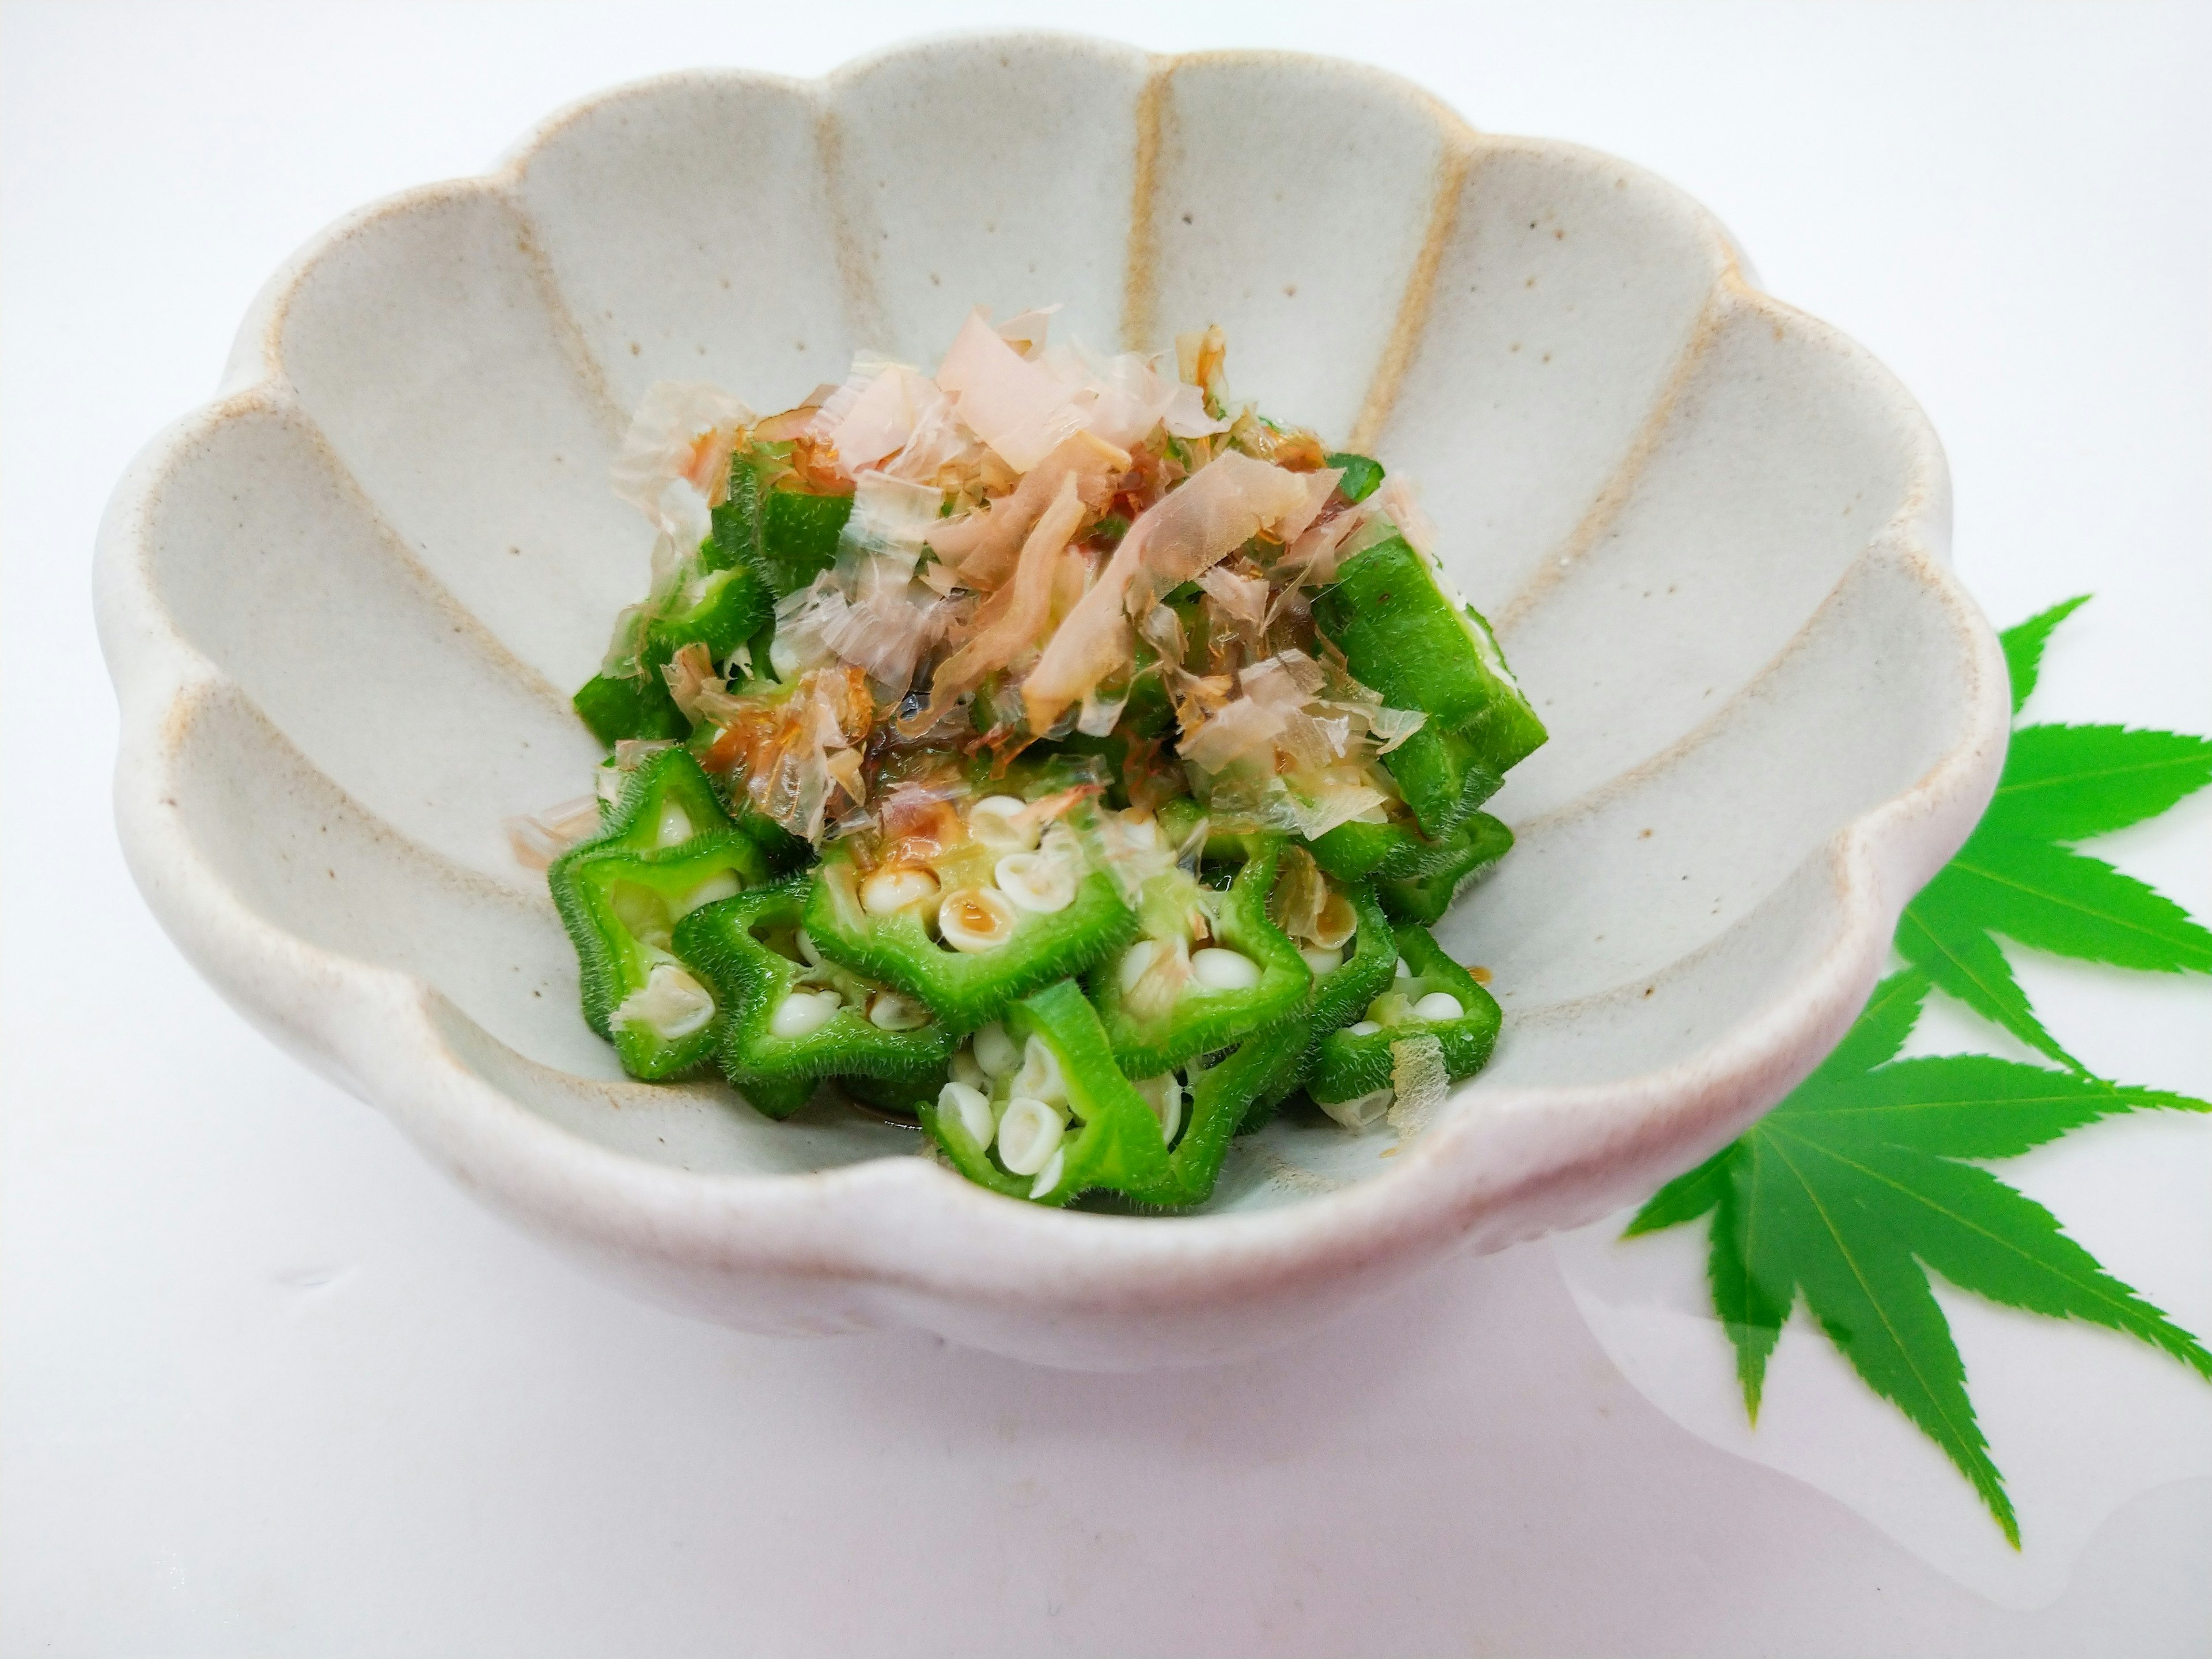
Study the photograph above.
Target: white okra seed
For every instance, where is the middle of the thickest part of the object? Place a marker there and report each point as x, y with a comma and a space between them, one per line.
1029, 1134
1322, 962
1217, 968
722, 884
1036, 881
1438, 1004
890, 1011
977, 918
1164, 1094
1135, 961
675, 826
995, 1051
671, 1003
804, 1012
1404, 969
1364, 1028
1048, 1178
965, 1070
897, 887
1039, 1077
970, 1108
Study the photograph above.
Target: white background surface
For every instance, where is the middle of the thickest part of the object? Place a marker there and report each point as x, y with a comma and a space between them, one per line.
268, 1385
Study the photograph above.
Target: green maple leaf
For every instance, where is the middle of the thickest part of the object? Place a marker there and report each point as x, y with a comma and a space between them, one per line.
1851, 1189
1855, 1187
2017, 877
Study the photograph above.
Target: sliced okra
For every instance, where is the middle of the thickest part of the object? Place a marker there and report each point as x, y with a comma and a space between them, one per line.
1206, 969
668, 849
789, 1013
1403, 633
1363, 850
1057, 1118
1469, 853
1220, 1097
1435, 998
902, 1097
1363, 966
785, 535
995, 918
717, 605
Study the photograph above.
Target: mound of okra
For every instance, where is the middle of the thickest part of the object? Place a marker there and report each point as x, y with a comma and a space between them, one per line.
1051, 751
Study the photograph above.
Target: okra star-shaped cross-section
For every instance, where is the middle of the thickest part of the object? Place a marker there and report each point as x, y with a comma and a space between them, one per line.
789, 1015
669, 848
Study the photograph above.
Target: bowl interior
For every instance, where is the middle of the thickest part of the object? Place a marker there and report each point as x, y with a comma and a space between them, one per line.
1698, 519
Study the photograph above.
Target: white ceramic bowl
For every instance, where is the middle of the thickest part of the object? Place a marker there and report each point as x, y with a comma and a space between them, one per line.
343, 605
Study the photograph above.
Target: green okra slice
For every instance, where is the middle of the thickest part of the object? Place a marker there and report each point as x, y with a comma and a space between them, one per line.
1341, 994
1356, 1061
788, 1013
668, 849
1206, 969
1362, 970
629, 706
1357, 850
1221, 1096
1473, 852
716, 604
902, 1096
1058, 1118
1441, 779
960, 942
778, 1097
785, 535
1394, 849
1406, 634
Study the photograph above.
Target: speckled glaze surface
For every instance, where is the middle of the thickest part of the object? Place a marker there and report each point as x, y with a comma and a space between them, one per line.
343, 603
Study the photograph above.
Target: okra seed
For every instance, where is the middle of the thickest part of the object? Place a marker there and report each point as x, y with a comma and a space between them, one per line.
1322, 962
998, 822
977, 918
803, 1012
672, 1004
965, 1070
1029, 1134
897, 887
994, 1050
1164, 1094
1136, 960
1438, 1004
675, 826
1048, 1178
1219, 969
721, 885
1404, 970
1036, 882
968, 1107
1039, 1077
1365, 1028
808, 951
888, 1011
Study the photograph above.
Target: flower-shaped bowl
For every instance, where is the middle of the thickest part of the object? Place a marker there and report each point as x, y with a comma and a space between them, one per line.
344, 602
